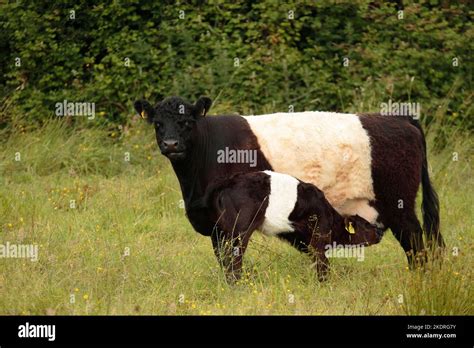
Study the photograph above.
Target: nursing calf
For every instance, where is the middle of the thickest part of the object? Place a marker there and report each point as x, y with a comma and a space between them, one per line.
280, 205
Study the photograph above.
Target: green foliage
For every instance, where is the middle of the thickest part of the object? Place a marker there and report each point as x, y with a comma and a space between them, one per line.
192, 48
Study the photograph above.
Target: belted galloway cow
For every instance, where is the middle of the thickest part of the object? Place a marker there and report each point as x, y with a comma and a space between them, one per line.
366, 165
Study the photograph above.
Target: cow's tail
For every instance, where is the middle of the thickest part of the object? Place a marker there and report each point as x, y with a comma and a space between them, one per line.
430, 205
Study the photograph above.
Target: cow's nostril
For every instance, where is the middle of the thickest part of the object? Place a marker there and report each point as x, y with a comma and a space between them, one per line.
170, 144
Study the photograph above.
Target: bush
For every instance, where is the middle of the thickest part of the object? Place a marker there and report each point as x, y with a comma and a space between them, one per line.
249, 57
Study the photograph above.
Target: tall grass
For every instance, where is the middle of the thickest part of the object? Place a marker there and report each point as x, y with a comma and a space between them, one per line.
127, 247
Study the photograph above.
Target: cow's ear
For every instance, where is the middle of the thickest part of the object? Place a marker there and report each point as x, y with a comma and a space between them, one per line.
145, 110
202, 106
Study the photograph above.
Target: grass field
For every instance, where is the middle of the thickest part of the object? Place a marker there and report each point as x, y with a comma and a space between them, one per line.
127, 247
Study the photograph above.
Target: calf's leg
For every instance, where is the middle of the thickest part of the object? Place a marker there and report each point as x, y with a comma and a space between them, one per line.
307, 239
229, 249
321, 262
230, 239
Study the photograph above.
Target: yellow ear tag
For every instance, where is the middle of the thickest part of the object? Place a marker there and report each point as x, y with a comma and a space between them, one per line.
143, 114
350, 228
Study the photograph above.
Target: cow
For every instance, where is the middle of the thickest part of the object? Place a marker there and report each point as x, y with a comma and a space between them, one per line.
366, 164
283, 206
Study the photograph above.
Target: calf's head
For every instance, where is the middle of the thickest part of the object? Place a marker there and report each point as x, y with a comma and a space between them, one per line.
175, 123
361, 232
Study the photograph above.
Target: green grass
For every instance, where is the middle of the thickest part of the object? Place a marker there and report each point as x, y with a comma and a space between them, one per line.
171, 269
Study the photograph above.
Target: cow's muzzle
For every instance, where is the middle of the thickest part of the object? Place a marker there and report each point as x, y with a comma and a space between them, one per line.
175, 155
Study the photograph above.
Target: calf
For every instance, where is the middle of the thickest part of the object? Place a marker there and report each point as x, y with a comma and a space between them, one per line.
283, 206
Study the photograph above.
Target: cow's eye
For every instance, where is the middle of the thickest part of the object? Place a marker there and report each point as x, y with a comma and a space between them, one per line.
158, 125
185, 124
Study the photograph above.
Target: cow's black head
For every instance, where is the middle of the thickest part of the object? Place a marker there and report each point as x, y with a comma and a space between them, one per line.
175, 121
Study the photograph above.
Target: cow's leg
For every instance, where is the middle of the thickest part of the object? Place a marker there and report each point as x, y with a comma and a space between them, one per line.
408, 232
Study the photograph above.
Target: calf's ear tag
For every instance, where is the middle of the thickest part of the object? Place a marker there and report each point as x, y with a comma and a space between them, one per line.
142, 114
350, 228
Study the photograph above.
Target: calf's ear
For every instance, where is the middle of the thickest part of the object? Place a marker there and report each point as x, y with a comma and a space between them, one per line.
145, 110
202, 106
